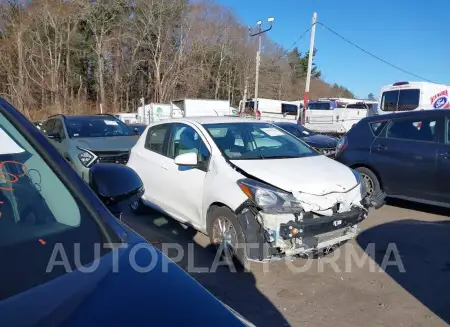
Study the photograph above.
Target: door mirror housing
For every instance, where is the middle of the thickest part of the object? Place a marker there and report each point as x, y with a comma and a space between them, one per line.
187, 159
54, 136
136, 131
117, 186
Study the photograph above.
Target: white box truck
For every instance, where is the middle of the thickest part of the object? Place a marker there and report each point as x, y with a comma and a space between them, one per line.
200, 107
153, 112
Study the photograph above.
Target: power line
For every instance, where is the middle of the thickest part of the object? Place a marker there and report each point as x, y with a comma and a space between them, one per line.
292, 46
374, 56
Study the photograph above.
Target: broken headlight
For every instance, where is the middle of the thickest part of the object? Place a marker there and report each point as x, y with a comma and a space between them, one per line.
270, 199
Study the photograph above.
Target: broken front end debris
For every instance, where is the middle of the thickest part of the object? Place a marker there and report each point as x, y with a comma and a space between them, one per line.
298, 224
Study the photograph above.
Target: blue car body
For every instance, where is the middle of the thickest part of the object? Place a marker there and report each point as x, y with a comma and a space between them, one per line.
122, 290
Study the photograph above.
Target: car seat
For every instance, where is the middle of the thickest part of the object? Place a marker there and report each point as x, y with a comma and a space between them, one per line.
188, 142
226, 142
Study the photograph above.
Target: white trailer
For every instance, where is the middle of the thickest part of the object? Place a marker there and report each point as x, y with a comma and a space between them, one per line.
200, 107
153, 112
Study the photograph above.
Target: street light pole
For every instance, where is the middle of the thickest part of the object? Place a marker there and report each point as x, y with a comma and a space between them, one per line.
259, 33
308, 74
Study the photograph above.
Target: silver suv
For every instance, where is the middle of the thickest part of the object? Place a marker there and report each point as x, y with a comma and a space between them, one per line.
85, 140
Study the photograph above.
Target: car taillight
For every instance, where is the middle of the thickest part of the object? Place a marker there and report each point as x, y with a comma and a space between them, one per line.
342, 144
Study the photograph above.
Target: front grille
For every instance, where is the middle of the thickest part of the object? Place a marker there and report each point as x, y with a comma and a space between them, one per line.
113, 157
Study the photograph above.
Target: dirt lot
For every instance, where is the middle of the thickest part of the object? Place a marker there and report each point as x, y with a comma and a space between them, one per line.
341, 289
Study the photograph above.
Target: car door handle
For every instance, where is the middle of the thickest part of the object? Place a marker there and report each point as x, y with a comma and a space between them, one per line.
445, 155
380, 147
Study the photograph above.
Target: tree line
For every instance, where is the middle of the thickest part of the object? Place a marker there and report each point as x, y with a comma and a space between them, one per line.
73, 56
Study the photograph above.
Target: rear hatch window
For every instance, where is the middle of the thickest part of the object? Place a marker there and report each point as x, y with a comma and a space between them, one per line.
319, 105
400, 100
357, 106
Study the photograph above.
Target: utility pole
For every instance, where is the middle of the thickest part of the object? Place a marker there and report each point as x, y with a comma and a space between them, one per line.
308, 74
259, 33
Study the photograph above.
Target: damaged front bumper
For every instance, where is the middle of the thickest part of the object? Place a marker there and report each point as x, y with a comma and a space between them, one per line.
273, 235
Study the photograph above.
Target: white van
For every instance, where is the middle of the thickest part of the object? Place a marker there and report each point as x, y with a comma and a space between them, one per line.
275, 110
405, 96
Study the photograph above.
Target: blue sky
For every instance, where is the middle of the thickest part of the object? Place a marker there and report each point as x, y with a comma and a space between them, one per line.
411, 34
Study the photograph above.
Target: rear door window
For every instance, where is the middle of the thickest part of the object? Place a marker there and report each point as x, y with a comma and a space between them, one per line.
413, 129
155, 138
377, 127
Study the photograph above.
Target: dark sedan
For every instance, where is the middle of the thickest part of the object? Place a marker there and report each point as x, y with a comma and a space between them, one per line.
322, 143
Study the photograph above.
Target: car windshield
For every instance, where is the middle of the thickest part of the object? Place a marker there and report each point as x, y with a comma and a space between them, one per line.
295, 129
96, 126
38, 216
243, 141
139, 128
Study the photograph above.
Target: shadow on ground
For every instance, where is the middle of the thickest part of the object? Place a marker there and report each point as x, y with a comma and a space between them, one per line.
426, 208
235, 287
424, 252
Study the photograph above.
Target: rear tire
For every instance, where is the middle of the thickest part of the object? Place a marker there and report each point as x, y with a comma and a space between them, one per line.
224, 230
372, 183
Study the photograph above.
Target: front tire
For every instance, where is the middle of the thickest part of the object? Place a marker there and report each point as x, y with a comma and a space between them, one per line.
372, 183
226, 234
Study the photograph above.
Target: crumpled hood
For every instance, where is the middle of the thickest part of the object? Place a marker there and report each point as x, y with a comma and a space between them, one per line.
110, 143
316, 175
322, 141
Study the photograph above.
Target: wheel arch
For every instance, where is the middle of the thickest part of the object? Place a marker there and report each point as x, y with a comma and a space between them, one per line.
211, 207
359, 165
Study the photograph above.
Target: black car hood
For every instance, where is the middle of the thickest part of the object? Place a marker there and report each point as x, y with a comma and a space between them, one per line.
116, 293
322, 141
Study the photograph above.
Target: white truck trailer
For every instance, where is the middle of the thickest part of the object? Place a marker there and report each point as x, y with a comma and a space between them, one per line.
153, 112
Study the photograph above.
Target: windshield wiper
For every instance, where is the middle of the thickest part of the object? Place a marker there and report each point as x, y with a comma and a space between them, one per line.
280, 157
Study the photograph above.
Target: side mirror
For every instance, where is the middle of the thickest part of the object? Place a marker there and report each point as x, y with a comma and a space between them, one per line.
54, 136
187, 159
136, 131
117, 186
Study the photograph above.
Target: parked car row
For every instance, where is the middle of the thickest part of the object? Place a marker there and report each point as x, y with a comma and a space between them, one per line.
240, 181
52, 224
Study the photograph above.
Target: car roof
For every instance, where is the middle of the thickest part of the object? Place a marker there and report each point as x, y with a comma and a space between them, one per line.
202, 120
405, 114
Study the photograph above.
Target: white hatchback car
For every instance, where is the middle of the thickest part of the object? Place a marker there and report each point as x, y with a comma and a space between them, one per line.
249, 185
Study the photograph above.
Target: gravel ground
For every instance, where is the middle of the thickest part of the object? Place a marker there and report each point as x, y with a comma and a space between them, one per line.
396, 273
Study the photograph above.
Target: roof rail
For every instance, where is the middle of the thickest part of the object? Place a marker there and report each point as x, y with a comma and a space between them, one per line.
97, 114
56, 115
